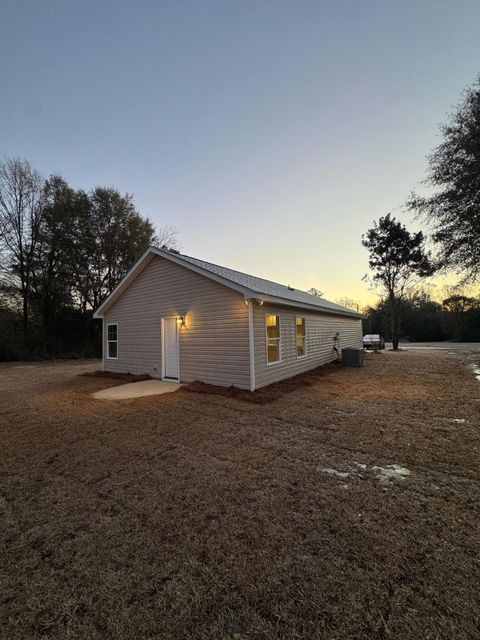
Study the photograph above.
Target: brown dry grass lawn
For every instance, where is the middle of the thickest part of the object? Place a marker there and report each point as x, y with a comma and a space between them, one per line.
196, 516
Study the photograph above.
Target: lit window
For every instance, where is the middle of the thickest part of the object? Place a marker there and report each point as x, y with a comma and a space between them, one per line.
272, 325
300, 335
112, 339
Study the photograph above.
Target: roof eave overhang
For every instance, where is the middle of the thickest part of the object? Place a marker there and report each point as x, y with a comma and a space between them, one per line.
310, 307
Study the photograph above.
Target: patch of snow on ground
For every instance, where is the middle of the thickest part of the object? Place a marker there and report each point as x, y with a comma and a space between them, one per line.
476, 371
334, 472
384, 475
390, 473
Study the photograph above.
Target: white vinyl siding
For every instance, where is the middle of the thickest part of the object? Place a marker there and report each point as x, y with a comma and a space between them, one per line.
213, 344
320, 331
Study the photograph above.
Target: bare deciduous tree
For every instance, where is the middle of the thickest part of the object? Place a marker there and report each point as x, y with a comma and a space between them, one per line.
21, 207
349, 303
166, 237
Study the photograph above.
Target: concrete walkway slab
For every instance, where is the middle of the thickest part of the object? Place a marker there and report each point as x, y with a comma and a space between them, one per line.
137, 390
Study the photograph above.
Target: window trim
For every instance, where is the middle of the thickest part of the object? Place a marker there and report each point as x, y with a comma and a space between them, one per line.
109, 357
271, 364
304, 337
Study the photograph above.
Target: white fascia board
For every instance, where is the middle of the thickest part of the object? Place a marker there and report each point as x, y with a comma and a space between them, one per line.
310, 307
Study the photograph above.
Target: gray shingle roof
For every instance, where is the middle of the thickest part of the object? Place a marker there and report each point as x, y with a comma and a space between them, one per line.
267, 287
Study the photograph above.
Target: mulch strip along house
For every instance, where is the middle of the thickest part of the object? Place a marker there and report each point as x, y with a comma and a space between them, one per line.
179, 318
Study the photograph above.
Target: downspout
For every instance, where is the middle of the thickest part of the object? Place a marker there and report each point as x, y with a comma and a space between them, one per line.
103, 344
336, 345
251, 344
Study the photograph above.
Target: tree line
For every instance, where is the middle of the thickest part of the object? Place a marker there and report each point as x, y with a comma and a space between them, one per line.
400, 260
456, 318
62, 251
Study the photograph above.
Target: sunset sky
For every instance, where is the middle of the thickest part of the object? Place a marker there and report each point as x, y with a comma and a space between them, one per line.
270, 134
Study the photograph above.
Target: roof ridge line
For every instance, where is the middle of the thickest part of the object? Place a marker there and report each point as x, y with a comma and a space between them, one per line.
250, 275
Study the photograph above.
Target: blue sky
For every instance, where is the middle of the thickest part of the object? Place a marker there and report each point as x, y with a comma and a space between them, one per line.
269, 133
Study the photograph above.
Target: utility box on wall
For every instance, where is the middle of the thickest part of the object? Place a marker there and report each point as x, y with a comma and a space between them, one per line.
353, 357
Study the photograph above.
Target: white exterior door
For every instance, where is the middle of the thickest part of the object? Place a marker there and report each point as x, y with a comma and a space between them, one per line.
170, 348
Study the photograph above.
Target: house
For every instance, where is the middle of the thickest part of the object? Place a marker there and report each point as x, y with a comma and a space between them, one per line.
179, 318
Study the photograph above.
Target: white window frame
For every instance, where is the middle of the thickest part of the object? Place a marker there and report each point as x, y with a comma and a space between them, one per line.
109, 357
304, 337
272, 364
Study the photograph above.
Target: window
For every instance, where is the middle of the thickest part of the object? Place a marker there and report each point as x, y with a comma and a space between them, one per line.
300, 335
272, 325
112, 340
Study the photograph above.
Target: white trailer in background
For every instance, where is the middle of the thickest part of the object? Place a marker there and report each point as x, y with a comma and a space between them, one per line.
373, 341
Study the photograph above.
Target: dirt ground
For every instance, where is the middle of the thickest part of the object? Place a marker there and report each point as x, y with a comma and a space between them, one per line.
195, 516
